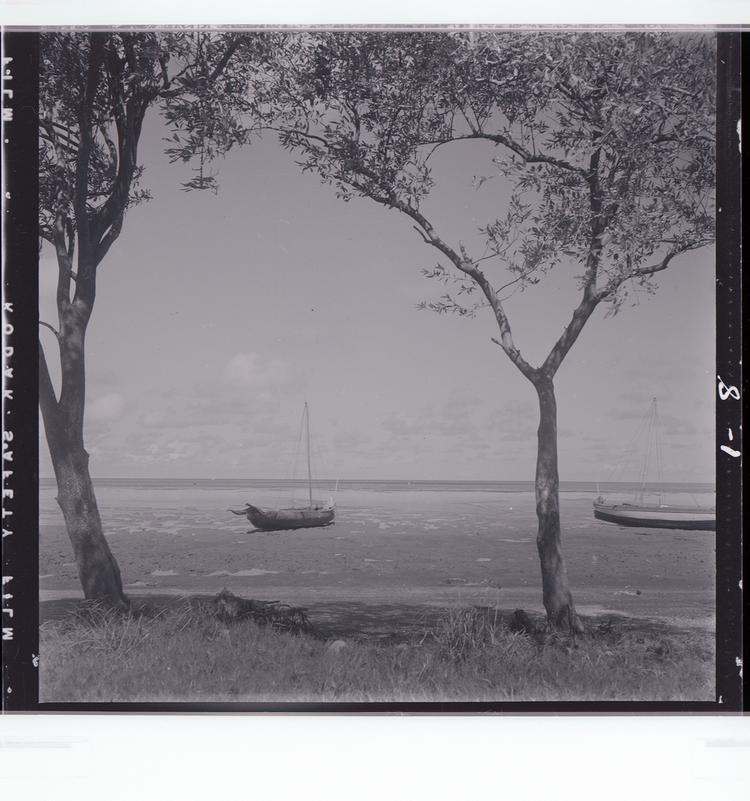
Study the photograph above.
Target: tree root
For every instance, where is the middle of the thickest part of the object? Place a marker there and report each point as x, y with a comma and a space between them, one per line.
230, 608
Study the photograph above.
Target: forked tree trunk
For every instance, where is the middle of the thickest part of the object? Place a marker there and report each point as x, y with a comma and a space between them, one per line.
558, 601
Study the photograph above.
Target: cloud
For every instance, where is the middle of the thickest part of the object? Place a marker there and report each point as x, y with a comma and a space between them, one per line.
106, 408
401, 427
672, 426
103, 377
157, 419
249, 370
351, 441
520, 433
232, 407
461, 421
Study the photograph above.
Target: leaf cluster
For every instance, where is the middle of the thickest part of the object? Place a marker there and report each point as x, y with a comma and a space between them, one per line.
95, 90
607, 140
79, 111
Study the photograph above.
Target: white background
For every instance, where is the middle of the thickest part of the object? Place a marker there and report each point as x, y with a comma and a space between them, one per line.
663, 12
356, 757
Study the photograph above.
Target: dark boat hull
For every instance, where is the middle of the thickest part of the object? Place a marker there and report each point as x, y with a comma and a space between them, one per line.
678, 517
286, 519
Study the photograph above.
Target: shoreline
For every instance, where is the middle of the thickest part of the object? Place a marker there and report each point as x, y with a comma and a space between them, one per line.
420, 547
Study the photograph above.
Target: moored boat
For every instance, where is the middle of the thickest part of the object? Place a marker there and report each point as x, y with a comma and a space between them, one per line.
314, 515
655, 515
283, 519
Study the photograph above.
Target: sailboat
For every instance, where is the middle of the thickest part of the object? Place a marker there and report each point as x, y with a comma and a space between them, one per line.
313, 515
654, 515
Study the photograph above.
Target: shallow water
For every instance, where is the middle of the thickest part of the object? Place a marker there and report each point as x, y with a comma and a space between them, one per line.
433, 546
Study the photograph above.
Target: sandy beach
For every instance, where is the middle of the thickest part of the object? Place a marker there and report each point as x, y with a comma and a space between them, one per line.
422, 549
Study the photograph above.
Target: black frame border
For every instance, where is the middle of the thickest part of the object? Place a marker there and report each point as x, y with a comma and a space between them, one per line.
20, 547
20, 552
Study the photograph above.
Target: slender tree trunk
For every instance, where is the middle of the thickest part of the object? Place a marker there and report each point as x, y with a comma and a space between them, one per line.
558, 600
63, 426
97, 568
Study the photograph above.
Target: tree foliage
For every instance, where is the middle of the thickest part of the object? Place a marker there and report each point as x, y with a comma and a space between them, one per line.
606, 139
95, 90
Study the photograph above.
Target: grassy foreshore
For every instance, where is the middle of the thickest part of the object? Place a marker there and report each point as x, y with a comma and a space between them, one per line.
184, 654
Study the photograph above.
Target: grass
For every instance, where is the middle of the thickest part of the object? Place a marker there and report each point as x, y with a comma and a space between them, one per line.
187, 653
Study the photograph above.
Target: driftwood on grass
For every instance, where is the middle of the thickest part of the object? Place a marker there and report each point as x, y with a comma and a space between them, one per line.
230, 608
521, 622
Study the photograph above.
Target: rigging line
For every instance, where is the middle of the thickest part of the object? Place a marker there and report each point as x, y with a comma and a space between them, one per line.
623, 464
293, 482
316, 462
653, 451
323, 481
659, 460
639, 434
320, 467
647, 458
629, 464
309, 469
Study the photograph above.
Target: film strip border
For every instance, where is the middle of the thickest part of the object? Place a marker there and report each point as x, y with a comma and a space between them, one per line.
20, 536
729, 533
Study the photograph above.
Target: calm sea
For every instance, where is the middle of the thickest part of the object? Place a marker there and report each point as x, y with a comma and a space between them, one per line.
383, 486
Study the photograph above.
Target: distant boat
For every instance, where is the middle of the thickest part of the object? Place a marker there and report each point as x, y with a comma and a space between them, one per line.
654, 515
313, 515
283, 519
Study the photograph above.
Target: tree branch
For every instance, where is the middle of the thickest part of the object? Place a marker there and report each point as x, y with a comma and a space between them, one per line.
663, 264
49, 133
510, 283
422, 234
224, 60
93, 73
48, 405
64, 253
644, 272
517, 148
164, 73
54, 330
466, 266
71, 231
598, 224
109, 217
109, 238
170, 91
569, 335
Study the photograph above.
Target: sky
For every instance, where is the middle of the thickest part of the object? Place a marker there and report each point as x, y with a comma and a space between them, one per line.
218, 316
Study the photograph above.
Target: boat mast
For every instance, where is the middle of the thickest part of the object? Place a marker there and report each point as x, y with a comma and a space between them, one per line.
657, 448
652, 443
309, 471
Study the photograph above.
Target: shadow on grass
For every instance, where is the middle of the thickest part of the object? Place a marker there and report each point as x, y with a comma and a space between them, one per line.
388, 623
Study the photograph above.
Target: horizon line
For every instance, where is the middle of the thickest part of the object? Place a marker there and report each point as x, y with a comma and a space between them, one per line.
403, 480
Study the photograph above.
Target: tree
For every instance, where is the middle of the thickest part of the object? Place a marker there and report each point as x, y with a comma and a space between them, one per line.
95, 90
606, 140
